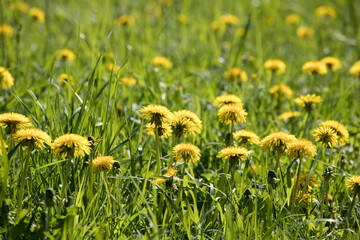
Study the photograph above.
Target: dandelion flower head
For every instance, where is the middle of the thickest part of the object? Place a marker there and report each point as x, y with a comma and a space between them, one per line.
234, 154
65, 78
313, 182
276, 141
300, 148
19, 6
288, 116
232, 113
37, 14
6, 31
308, 101
124, 20
69, 145
32, 138
229, 19
103, 163
332, 63
277, 91
13, 122
156, 113
274, 66
340, 130
355, 69
164, 130
325, 11
354, 184
182, 18
236, 74
246, 137
161, 61
65, 55
305, 32
128, 81
292, 18
314, 68
170, 173
186, 152
227, 99
6, 79
325, 135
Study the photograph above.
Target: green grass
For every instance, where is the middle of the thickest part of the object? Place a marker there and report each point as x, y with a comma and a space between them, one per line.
123, 202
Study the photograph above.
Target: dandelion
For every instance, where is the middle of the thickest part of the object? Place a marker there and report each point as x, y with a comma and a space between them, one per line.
169, 175
277, 90
65, 55
355, 69
325, 135
19, 6
332, 63
37, 14
304, 201
6, 79
292, 18
340, 130
308, 101
227, 99
275, 66
305, 32
182, 18
128, 81
156, 113
353, 184
313, 182
229, 19
71, 145
186, 152
236, 74
193, 118
102, 163
185, 122
276, 141
161, 61
124, 20
13, 121
240, 32
217, 25
234, 154
164, 130
246, 137
325, 11
314, 68
6, 31
65, 78
300, 148
112, 67
288, 116
107, 56
232, 114
32, 138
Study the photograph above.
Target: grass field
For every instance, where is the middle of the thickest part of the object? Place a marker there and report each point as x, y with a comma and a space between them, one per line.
86, 154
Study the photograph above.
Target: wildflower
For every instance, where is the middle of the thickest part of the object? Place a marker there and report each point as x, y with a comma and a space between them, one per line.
305, 32
13, 122
276, 141
332, 63
186, 152
277, 90
240, 32
306, 199
308, 101
108, 56
128, 81
65, 55
71, 145
164, 129
232, 114
65, 78
6, 79
292, 18
111, 67
227, 99
229, 19
170, 174
6, 31
325, 135
300, 148
185, 122
288, 116
182, 18
236, 74
314, 68
124, 20
156, 113
32, 137
102, 163
313, 182
19, 6
37, 14
246, 137
355, 69
354, 184
275, 66
217, 25
161, 61
234, 154
325, 11
340, 130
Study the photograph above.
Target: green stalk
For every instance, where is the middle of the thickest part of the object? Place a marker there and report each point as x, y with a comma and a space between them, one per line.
22, 182
63, 188
348, 214
293, 196
158, 165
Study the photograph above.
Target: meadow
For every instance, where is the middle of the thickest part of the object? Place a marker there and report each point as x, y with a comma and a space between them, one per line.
172, 119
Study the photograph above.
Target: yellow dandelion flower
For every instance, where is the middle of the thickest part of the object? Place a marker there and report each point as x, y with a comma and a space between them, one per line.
232, 114
217, 25
128, 81
37, 14
304, 202
274, 66
355, 69
182, 18
13, 121
103, 163
6, 79
246, 137
107, 56
161, 61
308, 101
276, 141
234, 154
184, 122
313, 182
240, 32
332, 63
325, 135
354, 184
229, 19
227, 99
124, 20
340, 130
236, 74
112, 67
170, 174
19, 6
305, 32
65, 78
314, 68
325, 11
2, 143
288, 116
32, 138
277, 91
6, 31
164, 130
65, 55
292, 18
71, 145
157, 114
186, 152
300, 148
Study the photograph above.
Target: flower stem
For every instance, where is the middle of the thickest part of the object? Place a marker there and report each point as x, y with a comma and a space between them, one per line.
22, 182
293, 196
158, 166
63, 188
